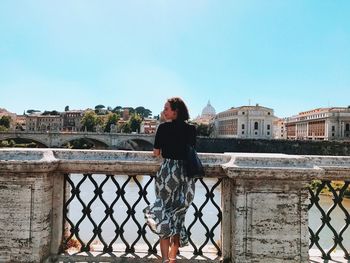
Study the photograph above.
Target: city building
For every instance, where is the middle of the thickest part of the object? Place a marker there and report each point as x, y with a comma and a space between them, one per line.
279, 129
20, 122
208, 114
320, 124
149, 126
245, 122
43, 123
72, 120
126, 114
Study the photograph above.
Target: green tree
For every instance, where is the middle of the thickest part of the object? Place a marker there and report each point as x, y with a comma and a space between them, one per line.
53, 112
112, 119
144, 113
12, 143
131, 110
66, 108
79, 144
99, 107
3, 143
117, 109
32, 111
203, 130
125, 127
135, 122
89, 121
3, 128
101, 121
5, 121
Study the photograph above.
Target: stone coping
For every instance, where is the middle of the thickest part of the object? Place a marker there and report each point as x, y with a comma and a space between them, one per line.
94, 161
233, 165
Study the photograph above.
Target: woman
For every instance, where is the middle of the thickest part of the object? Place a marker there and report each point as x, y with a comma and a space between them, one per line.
174, 190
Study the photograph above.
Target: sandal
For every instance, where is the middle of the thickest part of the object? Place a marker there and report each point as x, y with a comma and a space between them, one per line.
165, 260
172, 259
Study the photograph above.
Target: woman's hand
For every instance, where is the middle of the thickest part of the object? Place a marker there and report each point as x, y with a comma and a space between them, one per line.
156, 152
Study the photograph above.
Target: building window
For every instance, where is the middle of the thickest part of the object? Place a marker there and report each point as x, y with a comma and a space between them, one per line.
347, 127
256, 126
268, 126
256, 133
333, 128
242, 126
243, 113
242, 132
268, 113
268, 133
332, 134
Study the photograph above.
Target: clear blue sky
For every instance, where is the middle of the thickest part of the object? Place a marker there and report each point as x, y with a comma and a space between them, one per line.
289, 55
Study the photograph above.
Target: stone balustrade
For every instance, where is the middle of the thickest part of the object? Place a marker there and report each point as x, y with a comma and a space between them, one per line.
264, 199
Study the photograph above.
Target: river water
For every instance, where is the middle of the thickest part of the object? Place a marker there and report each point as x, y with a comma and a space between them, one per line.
198, 231
337, 221
87, 188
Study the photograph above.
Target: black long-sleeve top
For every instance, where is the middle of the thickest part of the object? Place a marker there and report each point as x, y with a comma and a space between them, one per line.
172, 138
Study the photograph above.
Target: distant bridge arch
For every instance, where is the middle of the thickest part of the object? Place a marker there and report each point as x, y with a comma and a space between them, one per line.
99, 144
34, 139
135, 144
110, 140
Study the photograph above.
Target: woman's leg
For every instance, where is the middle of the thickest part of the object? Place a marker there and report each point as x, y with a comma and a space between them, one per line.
164, 248
174, 247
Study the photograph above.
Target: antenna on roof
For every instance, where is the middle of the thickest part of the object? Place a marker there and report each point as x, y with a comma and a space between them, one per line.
249, 102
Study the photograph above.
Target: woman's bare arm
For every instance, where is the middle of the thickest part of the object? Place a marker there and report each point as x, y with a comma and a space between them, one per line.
156, 152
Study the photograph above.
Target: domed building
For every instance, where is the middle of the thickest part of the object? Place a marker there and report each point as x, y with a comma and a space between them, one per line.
208, 113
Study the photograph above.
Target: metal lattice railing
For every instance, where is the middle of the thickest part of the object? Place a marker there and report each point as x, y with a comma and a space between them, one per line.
103, 212
331, 232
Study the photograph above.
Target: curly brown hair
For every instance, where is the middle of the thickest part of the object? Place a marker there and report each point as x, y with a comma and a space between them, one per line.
177, 104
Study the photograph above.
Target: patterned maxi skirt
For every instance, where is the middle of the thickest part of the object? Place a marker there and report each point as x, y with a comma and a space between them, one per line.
174, 194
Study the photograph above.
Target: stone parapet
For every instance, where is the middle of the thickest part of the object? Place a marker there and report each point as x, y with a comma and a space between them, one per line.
264, 198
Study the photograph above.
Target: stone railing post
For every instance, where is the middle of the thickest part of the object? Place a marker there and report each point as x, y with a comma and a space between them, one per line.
58, 199
226, 225
26, 184
269, 207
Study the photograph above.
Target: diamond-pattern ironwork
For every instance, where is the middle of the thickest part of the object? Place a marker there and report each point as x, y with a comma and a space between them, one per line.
338, 191
120, 205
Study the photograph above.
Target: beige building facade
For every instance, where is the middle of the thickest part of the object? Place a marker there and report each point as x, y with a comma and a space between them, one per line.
43, 123
149, 126
72, 120
279, 129
245, 122
320, 124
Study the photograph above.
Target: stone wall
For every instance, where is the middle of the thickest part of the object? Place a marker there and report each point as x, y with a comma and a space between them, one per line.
221, 145
264, 199
25, 216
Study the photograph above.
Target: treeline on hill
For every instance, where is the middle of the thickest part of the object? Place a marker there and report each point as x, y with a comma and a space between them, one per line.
103, 118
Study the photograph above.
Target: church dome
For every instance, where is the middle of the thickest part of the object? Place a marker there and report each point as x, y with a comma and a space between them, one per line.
208, 111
